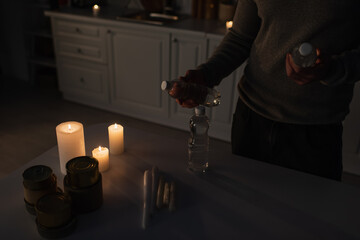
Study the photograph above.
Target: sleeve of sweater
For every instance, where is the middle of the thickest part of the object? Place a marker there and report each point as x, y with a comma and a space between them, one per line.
345, 69
234, 49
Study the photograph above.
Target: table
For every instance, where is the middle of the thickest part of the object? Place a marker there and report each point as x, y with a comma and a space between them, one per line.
239, 198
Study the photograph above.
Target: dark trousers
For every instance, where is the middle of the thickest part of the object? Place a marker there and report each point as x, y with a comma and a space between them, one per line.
315, 149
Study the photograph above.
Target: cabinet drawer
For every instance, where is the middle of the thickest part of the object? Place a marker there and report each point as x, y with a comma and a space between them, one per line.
77, 29
85, 82
82, 78
95, 52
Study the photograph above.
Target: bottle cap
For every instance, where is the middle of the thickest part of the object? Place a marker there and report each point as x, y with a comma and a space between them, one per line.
200, 110
164, 85
82, 171
305, 49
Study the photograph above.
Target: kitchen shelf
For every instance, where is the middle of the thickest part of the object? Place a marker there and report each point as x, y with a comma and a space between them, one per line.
48, 62
46, 33
38, 40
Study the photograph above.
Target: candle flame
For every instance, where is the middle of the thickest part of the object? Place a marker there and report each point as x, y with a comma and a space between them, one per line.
229, 24
116, 125
96, 6
99, 148
69, 127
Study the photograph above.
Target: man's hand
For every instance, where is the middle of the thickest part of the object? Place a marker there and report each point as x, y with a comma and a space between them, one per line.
191, 76
302, 76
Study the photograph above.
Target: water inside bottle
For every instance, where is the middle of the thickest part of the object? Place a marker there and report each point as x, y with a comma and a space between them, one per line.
198, 145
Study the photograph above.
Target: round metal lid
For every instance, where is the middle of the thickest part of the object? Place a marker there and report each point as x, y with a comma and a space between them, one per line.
82, 164
37, 177
82, 171
53, 203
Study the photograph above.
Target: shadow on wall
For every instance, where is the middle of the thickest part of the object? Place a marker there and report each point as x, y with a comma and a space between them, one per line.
13, 55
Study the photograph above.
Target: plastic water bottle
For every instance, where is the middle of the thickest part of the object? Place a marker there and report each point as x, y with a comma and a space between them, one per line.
201, 94
198, 145
304, 55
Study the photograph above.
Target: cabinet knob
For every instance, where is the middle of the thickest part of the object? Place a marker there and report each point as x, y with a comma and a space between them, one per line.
78, 30
175, 40
82, 80
79, 50
109, 31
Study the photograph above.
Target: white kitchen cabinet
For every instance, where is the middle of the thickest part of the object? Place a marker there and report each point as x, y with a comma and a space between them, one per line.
351, 136
119, 66
81, 56
139, 62
83, 82
188, 50
221, 116
80, 41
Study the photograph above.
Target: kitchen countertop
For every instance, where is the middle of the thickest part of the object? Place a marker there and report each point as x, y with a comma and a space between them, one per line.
239, 198
185, 22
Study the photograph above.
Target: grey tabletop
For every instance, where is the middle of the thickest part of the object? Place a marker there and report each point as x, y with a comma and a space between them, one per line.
239, 198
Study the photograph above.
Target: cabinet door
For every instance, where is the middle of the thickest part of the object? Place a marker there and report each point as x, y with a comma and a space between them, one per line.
140, 62
221, 116
351, 136
188, 50
83, 82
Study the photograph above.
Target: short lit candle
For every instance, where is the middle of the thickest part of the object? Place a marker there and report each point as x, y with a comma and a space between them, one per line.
102, 155
96, 9
229, 25
116, 138
71, 142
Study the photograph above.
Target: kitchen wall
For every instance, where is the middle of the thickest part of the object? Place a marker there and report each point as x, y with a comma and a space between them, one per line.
2, 36
184, 6
12, 51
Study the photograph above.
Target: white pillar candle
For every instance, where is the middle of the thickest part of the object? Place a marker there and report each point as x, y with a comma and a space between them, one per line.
116, 138
71, 142
102, 155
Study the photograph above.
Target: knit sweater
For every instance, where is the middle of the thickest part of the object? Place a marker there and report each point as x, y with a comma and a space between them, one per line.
264, 31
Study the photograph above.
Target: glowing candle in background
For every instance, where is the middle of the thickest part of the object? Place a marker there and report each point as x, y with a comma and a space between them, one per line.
96, 9
229, 25
116, 138
71, 142
102, 155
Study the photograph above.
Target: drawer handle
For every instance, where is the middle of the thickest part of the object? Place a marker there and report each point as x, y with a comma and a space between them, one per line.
79, 50
82, 80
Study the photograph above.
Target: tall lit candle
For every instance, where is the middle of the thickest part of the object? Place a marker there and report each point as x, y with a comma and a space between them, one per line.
102, 155
116, 138
71, 142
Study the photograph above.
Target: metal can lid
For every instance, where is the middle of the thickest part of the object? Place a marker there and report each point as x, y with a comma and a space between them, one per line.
82, 171
59, 232
38, 177
54, 209
53, 203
